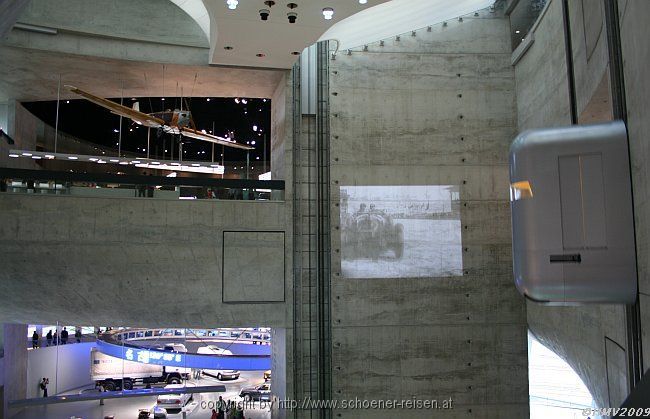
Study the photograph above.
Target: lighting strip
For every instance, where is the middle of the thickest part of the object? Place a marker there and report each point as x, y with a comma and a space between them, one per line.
177, 166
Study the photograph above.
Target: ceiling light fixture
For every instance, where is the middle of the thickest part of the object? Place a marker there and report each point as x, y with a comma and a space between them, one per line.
292, 16
328, 13
232, 4
363, 1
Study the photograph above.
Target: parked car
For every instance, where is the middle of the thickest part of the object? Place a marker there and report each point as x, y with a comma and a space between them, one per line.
259, 392
267, 375
174, 403
222, 375
175, 347
213, 350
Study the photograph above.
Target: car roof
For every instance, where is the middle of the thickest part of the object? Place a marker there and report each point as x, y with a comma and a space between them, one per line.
172, 386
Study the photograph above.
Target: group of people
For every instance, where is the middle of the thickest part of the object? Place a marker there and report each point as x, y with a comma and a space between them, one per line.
227, 410
53, 339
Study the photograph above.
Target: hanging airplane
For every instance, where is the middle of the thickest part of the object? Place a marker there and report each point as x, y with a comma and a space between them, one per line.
176, 122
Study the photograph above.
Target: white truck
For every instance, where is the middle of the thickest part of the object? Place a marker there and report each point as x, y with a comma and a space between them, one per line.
116, 374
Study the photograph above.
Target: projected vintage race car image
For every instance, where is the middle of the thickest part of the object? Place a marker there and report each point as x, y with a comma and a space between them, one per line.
400, 231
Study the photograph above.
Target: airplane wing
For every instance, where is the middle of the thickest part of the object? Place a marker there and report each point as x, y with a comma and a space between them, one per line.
200, 135
137, 116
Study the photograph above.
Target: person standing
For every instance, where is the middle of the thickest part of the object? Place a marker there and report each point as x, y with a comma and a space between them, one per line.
64, 336
35, 340
55, 338
43, 385
214, 415
77, 335
221, 408
49, 338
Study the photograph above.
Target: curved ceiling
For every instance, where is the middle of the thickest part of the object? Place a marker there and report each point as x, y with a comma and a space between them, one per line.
240, 38
197, 11
397, 17
276, 38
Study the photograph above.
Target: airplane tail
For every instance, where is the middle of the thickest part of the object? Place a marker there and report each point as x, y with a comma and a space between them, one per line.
136, 106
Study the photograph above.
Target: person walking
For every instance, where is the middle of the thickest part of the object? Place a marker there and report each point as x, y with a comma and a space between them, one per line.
35, 340
55, 338
77, 335
64, 336
49, 338
43, 385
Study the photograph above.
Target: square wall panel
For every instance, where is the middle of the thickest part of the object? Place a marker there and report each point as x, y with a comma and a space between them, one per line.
253, 267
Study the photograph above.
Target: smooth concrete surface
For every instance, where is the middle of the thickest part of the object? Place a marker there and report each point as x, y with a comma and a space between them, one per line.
15, 365
281, 113
66, 366
635, 32
9, 12
146, 30
577, 334
253, 267
437, 108
127, 261
3, 116
32, 75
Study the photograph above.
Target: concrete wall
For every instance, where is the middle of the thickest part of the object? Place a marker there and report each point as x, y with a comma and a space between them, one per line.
21, 126
15, 364
437, 108
128, 261
636, 60
590, 338
147, 30
67, 370
9, 12
3, 116
281, 168
281, 107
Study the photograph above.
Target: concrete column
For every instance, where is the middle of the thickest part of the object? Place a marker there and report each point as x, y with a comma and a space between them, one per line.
11, 118
15, 364
3, 116
279, 361
9, 12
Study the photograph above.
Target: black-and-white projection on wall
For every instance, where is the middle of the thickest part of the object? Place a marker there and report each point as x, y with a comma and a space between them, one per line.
400, 231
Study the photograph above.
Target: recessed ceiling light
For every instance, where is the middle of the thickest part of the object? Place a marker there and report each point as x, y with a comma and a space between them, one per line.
328, 13
363, 1
260, 55
232, 4
295, 53
228, 48
517, 31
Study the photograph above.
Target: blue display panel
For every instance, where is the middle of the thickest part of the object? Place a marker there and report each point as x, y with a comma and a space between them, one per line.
184, 360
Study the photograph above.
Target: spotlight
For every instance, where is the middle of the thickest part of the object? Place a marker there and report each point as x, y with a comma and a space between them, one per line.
264, 14
363, 1
232, 4
292, 17
328, 13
